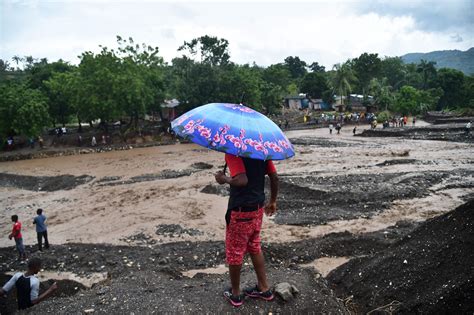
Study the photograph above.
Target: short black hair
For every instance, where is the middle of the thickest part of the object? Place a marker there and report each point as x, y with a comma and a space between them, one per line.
34, 262
39, 211
14, 218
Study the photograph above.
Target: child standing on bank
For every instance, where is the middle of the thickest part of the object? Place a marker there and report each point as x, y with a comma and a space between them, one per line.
16, 234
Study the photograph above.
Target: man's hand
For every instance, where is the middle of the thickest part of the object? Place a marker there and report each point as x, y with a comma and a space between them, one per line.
220, 178
270, 208
10, 237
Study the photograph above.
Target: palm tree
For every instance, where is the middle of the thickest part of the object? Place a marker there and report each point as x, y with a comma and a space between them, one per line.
343, 78
427, 70
381, 91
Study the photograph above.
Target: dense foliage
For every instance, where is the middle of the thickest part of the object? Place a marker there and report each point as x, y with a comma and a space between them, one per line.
131, 80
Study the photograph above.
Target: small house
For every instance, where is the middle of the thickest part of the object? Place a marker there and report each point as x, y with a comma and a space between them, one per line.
168, 109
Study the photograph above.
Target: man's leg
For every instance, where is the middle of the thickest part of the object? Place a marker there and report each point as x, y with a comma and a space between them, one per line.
40, 240
46, 243
18, 248
234, 271
259, 265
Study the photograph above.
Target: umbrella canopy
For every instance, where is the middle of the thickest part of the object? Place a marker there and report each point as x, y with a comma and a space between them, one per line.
234, 129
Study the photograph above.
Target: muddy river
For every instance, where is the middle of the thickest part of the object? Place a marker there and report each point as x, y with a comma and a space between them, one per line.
164, 194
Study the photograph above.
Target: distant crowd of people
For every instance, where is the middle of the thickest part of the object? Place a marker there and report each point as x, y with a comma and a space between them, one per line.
80, 141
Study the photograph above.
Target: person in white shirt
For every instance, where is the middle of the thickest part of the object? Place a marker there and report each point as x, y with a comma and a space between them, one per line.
27, 286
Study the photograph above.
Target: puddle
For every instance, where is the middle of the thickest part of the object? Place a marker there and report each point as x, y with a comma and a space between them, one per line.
86, 281
325, 265
220, 269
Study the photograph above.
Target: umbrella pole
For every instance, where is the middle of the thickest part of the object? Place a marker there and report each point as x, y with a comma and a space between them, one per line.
225, 168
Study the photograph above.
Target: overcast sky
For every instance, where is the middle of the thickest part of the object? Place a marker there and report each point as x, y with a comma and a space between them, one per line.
264, 32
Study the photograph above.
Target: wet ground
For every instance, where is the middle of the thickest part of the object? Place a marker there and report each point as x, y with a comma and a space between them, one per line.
147, 216
430, 270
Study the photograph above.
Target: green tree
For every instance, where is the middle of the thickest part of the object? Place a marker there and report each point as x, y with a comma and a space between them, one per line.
407, 100
343, 78
366, 67
277, 74
314, 84
237, 81
211, 50
394, 70
296, 66
428, 72
381, 92
61, 89
452, 83
316, 67
23, 110
271, 96
412, 101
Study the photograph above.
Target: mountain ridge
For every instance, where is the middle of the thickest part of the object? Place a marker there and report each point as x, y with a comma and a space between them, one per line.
455, 59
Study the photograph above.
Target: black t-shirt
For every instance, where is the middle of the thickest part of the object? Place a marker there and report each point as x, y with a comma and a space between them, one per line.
253, 193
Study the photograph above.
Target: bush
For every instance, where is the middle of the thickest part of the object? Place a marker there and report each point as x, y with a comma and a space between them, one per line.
383, 116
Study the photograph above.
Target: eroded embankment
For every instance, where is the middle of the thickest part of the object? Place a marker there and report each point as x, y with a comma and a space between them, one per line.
428, 271
313, 200
448, 132
137, 274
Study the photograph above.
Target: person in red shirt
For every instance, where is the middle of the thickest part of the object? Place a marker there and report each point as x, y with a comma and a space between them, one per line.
16, 234
244, 221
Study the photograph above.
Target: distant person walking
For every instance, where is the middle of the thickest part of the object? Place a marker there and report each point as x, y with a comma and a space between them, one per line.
93, 141
467, 129
10, 143
41, 230
354, 130
330, 128
338, 128
27, 286
414, 121
40, 142
16, 234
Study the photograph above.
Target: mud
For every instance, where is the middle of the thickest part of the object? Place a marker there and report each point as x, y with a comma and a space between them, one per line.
398, 162
442, 132
138, 274
341, 196
427, 271
315, 200
214, 189
175, 230
43, 183
165, 174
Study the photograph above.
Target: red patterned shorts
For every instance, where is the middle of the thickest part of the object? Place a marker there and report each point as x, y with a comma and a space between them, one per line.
243, 235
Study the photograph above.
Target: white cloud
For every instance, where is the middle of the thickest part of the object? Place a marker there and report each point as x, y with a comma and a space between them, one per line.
267, 32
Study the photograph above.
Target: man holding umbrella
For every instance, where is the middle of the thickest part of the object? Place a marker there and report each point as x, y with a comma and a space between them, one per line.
244, 221
250, 142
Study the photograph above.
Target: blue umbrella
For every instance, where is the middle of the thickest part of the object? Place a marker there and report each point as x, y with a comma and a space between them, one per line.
234, 129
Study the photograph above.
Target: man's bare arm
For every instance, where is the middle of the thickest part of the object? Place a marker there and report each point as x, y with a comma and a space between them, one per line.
239, 180
271, 207
45, 294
